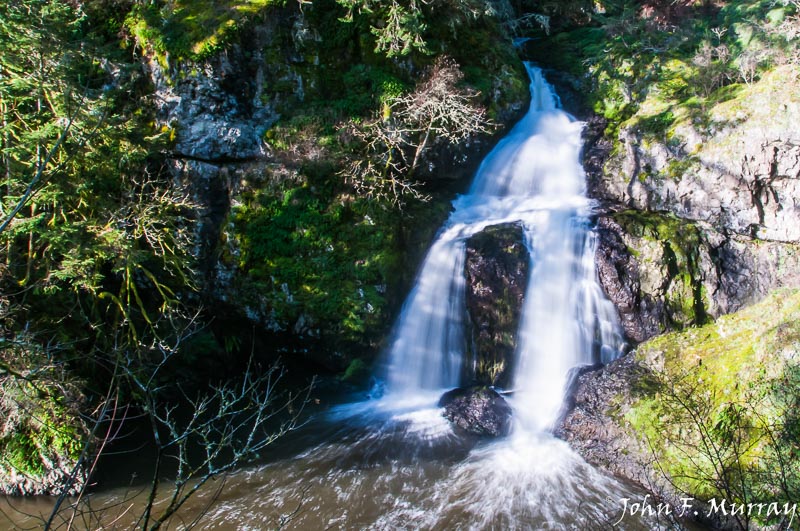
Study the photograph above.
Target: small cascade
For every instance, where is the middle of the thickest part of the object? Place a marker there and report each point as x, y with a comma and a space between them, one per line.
533, 176
429, 346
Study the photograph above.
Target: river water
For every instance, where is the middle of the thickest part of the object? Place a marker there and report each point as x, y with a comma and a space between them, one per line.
393, 462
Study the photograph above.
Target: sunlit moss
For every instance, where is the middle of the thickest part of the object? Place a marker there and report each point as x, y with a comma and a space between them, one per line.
192, 30
719, 412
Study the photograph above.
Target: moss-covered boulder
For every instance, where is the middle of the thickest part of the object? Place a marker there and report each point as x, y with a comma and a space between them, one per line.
710, 413
496, 270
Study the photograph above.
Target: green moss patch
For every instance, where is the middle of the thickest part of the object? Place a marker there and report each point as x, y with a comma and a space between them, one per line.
675, 244
41, 429
656, 77
192, 30
722, 418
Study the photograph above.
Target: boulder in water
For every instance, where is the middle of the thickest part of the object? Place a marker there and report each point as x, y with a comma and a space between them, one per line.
496, 271
477, 410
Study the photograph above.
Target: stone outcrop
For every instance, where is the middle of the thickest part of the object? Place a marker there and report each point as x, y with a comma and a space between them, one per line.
496, 270
589, 430
218, 113
594, 424
738, 169
656, 411
477, 410
220, 110
663, 273
59, 477
704, 223
693, 223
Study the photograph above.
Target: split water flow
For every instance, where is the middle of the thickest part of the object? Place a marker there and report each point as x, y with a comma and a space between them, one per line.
394, 462
534, 177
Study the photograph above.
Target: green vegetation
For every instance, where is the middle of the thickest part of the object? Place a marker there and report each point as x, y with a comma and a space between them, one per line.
192, 30
307, 251
651, 67
720, 411
675, 245
93, 233
102, 290
40, 408
357, 372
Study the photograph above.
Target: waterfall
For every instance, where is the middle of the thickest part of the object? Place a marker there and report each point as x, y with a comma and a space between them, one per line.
533, 176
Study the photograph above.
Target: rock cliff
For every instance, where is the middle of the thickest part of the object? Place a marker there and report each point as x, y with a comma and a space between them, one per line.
259, 141
697, 226
700, 220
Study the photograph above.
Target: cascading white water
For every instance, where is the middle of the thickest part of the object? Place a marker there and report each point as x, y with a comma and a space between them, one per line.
533, 176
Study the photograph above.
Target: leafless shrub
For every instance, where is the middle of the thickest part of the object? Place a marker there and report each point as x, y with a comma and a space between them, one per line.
712, 67
529, 20
390, 149
747, 65
198, 437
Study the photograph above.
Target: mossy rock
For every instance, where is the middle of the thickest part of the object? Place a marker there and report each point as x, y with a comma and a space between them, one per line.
723, 413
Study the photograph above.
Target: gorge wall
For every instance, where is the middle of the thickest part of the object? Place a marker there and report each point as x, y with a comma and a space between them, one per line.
213, 195
709, 217
261, 139
256, 106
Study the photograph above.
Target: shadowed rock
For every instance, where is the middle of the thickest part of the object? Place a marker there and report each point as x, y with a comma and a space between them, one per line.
496, 272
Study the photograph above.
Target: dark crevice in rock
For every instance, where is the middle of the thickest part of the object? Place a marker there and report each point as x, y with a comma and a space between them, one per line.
671, 262
700, 314
757, 189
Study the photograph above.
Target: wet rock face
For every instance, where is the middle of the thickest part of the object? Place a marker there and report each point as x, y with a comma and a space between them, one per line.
663, 273
594, 425
586, 424
641, 315
220, 109
477, 410
496, 270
